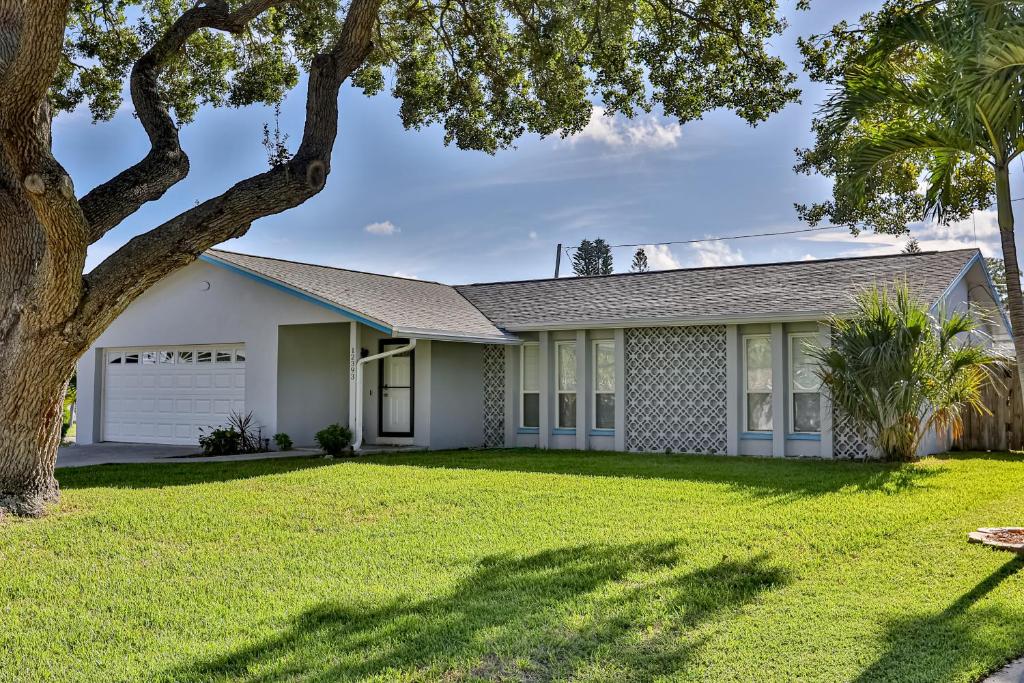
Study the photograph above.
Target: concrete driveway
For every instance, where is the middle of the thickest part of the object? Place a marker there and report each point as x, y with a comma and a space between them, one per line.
113, 453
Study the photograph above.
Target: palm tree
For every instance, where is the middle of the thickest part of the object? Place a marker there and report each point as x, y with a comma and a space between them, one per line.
899, 372
941, 84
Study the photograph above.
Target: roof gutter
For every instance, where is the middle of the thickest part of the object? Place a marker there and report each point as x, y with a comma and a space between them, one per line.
437, 335
811, 316
357, 440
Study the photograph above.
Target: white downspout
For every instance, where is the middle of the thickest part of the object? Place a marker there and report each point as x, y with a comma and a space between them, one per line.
357, 429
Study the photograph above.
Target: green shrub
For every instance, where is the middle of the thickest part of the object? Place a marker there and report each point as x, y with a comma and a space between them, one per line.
335, 439
283, 441
221, 441
240, 436
899, 372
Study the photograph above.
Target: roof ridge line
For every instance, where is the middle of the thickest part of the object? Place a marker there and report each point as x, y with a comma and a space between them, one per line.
321, 265
727, 267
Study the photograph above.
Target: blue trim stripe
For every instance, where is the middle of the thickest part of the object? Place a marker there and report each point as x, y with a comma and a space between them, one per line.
805, 436
296, 293
756, 436
528, 430
563, 431
602, 432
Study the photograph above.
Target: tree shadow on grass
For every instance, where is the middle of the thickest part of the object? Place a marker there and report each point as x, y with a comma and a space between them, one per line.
551, 615
758, 476
939, 647
163, 475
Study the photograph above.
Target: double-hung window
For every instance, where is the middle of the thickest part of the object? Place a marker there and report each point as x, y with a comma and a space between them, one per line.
604, 384
757, 383
804, 384
529, 382
565, 383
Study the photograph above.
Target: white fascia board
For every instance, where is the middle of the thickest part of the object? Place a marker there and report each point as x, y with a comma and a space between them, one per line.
674, 322
440, 335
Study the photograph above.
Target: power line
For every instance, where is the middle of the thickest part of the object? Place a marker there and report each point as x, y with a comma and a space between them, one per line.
724, 238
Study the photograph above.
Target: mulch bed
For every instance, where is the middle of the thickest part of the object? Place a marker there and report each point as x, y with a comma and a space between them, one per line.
1001, 538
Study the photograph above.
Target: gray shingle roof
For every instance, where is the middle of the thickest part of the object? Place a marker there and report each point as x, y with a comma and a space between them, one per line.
404, 305
805, 289
773, 291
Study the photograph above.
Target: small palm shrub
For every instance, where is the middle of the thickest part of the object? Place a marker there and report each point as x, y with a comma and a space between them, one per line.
283, 441
241, 435
898, 372
334, 440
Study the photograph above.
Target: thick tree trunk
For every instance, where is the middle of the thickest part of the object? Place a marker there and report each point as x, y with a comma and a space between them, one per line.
30, 420
1014, 296
41, 261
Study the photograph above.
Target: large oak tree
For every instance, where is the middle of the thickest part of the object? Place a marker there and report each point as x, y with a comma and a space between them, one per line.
487, 71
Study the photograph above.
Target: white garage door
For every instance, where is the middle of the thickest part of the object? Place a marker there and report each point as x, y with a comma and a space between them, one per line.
166, 394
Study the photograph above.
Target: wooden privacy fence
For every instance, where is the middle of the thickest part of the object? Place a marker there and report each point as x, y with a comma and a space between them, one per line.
1003, 430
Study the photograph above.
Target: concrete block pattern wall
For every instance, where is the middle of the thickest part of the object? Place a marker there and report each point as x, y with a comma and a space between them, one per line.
676, 395
494, 396
847, 440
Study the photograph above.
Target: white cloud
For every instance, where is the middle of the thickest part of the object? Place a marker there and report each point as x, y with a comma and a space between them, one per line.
660, 257
981, 231
645, 133
702, 255
710, 254
407, 276
382, 228
533, 234
809, 257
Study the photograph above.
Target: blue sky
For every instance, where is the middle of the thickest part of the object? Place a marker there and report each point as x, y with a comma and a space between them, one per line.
399, 202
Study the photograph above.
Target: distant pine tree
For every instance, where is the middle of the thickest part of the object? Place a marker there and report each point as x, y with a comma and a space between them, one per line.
913, 247
640, 264
592, 258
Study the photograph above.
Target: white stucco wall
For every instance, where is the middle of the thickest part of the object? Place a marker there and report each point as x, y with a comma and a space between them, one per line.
456, 387
312, 380
181, 310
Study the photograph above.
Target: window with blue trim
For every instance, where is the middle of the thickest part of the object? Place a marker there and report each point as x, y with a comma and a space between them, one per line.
804, 385
604, 384
529, 383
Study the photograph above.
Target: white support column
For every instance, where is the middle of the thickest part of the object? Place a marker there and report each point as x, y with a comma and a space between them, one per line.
544, 365
732, 388
353, 361
511, 395
583, 394
778, 391
825, 341
620, 389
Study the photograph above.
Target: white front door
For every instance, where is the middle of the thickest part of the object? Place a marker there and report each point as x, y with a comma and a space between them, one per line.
396, 393
167, 394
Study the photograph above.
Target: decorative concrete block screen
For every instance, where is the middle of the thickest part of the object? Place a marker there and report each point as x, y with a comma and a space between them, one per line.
676, 389
494, 395
847, 440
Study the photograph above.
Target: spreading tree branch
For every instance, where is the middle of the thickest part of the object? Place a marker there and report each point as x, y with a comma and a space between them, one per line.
106, 205
140, 263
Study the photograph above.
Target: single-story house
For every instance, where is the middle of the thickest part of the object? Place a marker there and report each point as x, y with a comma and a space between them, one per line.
700, 360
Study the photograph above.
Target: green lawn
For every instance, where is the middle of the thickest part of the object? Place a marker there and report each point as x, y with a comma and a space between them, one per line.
516, 565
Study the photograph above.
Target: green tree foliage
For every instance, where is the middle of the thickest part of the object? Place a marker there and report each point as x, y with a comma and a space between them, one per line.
486, 70
898, 372
997, 271
926, 116
640, 264
592, 258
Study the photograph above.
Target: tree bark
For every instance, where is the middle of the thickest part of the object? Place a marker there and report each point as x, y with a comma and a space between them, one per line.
1014, 296
44, 243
